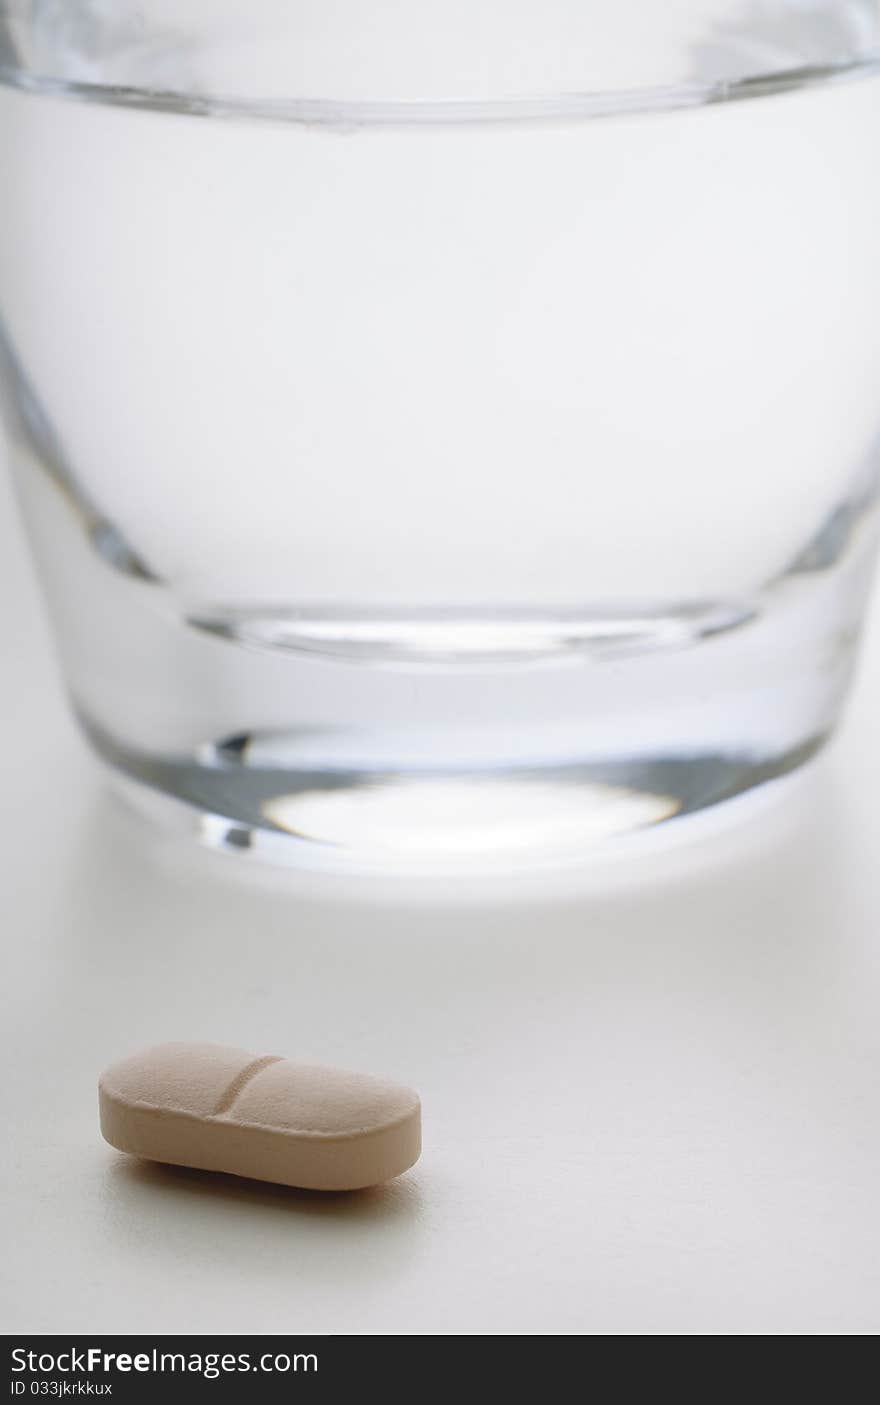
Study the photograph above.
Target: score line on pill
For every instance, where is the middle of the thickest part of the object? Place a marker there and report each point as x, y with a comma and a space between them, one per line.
263, 1117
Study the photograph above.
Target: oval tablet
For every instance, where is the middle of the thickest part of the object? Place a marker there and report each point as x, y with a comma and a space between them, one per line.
221, 1109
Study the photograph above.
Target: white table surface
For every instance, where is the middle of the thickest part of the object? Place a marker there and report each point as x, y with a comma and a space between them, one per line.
651, 1093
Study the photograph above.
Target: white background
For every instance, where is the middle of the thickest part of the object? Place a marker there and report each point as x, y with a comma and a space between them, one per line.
651, 1093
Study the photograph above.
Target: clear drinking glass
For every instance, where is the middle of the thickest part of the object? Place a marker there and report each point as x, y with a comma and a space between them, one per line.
447, 428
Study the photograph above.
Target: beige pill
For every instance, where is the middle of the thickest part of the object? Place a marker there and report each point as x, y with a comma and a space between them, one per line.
221, 1109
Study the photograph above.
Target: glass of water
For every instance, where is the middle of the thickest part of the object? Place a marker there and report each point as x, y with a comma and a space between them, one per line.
447, 429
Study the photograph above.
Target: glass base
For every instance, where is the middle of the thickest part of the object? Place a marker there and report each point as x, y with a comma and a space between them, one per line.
383, 821
500, 736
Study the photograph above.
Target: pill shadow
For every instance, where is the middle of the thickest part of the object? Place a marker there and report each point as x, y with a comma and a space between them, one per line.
399, 1200
288, 1246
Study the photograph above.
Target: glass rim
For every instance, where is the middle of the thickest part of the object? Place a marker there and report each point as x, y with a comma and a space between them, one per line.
408, 112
